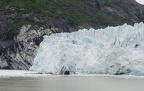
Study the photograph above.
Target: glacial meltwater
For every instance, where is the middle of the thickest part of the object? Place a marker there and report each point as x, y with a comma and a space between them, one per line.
71, 83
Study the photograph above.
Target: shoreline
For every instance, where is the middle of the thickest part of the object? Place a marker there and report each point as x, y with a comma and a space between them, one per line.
32, 74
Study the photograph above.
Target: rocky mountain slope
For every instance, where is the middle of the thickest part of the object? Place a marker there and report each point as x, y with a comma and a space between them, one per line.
20, 52
24, 22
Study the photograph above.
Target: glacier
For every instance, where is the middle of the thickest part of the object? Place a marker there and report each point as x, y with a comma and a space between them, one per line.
113, 50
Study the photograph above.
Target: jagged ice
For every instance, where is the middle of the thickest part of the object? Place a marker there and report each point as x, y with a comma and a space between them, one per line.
113, 50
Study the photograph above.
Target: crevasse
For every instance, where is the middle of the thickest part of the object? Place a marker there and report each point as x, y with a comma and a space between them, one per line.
113, 50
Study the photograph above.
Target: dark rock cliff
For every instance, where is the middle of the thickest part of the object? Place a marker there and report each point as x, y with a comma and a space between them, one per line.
20, 52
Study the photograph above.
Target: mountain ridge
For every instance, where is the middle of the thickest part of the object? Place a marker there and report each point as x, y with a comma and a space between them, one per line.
66, 14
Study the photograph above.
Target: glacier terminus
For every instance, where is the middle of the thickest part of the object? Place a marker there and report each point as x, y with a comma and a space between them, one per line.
113, 50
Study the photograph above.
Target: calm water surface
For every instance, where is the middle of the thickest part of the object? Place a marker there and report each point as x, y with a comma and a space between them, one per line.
67, 83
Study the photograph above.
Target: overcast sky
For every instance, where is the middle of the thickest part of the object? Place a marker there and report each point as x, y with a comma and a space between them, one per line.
140, 1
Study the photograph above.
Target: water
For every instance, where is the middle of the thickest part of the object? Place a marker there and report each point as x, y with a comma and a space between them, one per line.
66, 83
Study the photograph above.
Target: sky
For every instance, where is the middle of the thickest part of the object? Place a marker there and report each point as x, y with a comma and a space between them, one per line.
140, 1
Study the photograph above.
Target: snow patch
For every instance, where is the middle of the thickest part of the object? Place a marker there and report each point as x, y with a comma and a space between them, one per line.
140, 1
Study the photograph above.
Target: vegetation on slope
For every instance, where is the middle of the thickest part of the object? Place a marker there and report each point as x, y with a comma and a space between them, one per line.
76, 11
15, 13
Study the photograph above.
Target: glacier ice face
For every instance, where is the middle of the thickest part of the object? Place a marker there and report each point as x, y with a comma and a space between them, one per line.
113, 50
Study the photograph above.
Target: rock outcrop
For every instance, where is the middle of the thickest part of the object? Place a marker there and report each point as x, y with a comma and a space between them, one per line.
19, 53
127, 9
18, 56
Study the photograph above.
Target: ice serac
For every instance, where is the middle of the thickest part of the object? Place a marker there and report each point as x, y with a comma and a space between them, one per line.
113, 50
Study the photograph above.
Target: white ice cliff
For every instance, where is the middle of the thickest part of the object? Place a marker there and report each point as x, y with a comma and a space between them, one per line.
113, 50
